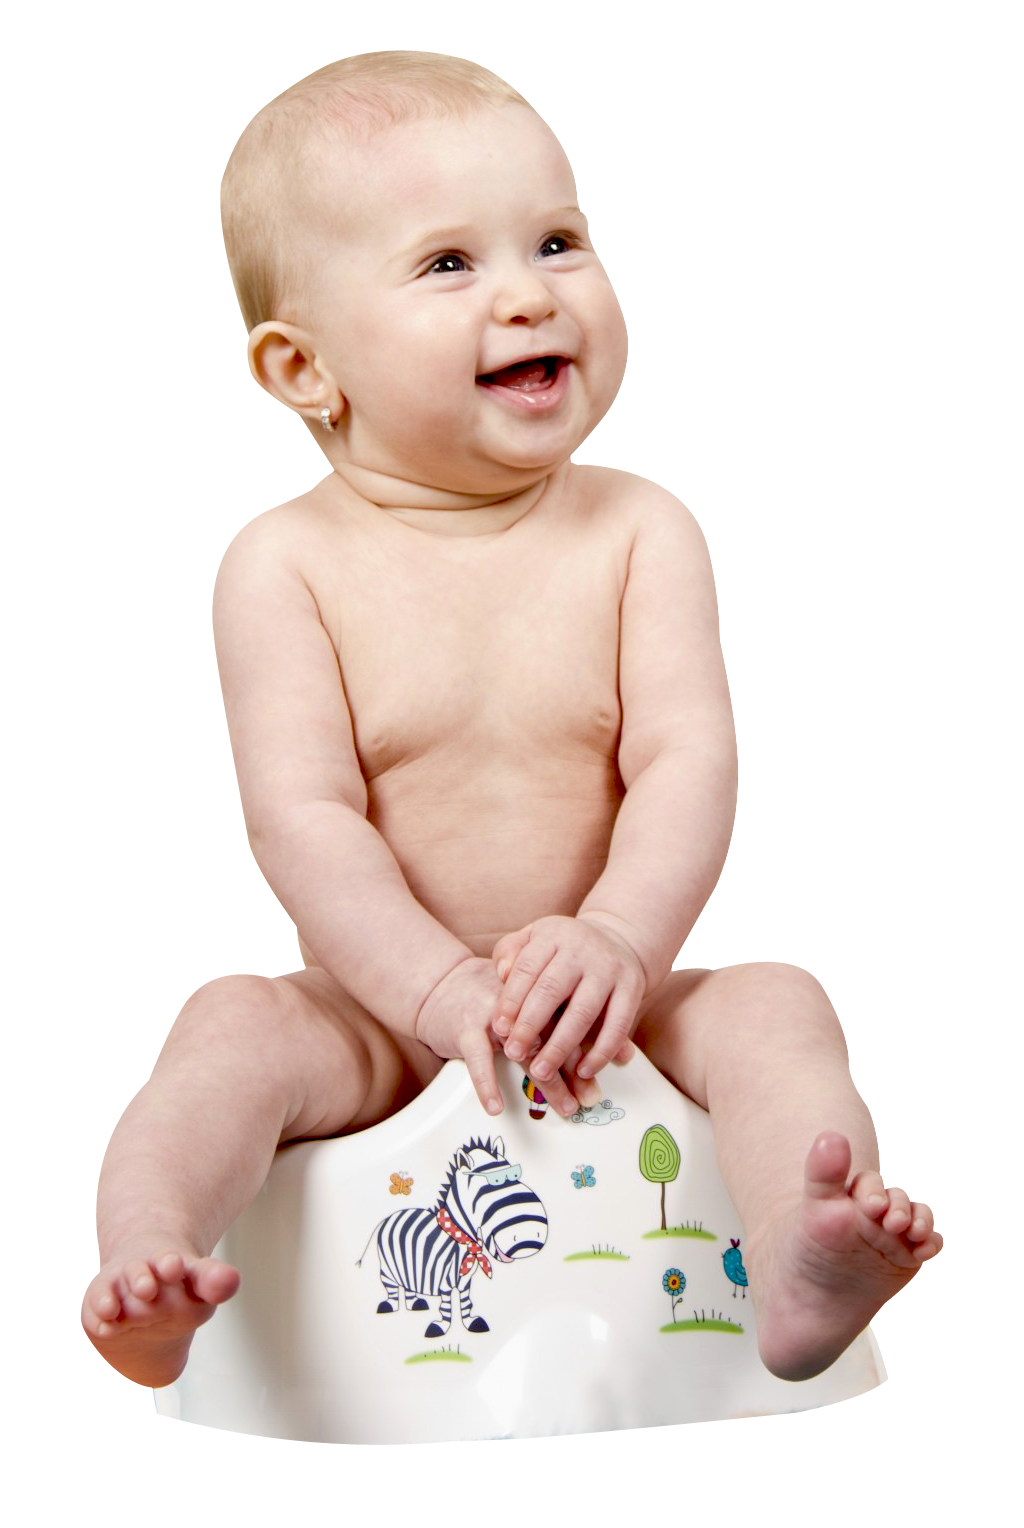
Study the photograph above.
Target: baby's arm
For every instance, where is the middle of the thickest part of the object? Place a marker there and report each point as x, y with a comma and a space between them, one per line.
677, 757
304, 799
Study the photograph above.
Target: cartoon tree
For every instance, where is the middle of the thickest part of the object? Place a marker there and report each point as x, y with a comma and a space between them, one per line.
659, 1160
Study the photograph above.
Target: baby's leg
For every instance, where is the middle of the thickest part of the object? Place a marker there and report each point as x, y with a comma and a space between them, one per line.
249, 1064
826, 1244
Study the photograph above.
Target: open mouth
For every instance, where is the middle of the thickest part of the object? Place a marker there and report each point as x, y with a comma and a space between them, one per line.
526, 376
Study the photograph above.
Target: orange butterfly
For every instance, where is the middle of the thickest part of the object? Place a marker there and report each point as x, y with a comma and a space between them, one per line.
400, 1184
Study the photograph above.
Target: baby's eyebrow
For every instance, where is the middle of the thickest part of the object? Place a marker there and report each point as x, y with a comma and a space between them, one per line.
560, 212
432, 239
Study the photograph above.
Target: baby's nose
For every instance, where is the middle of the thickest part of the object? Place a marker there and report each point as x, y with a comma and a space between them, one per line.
524, 300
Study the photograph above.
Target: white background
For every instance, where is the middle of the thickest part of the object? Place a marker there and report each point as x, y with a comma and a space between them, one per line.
811, 213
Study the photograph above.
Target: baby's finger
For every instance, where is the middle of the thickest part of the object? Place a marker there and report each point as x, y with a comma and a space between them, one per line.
529, 966
577, 1090
478, 1054
586, 1089
546, 1001
582, 1012
506, 951
558, 1095
614, 1033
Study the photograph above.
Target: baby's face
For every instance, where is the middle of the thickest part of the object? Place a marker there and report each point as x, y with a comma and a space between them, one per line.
460, 305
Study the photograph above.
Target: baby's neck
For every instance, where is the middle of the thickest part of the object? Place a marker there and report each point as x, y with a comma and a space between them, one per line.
441, 512
470, 519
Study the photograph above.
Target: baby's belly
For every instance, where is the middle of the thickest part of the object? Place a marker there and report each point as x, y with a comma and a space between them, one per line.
491, 852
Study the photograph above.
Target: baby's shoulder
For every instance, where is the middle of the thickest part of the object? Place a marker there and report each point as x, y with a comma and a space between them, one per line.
635, 502
277, 538
269, 559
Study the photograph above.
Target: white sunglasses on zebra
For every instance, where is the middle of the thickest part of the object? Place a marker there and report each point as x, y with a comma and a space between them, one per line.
496, 1175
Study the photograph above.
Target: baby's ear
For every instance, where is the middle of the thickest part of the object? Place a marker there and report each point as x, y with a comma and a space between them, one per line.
284, 360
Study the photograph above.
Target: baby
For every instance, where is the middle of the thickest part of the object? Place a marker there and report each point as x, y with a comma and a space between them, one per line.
482, 731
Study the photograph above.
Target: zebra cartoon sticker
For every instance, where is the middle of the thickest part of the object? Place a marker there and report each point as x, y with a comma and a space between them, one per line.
484, 1213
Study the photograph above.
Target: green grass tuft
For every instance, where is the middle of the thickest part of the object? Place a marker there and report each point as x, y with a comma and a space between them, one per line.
695, 1232
714, 1322
607, 1254
440, 1355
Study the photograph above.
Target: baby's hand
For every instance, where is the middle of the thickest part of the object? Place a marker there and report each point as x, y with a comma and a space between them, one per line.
579, 963
455, 1020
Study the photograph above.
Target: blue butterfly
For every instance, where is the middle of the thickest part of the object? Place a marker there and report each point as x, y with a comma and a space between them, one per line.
584, 1178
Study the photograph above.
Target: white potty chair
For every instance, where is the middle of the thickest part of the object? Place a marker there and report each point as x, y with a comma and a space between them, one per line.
445, 1276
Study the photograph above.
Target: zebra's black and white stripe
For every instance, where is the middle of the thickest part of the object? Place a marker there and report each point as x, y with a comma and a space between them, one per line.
494, 1217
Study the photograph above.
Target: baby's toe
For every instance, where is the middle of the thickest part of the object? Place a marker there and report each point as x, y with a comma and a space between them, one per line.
827, 1165
868, 1191
101, 1307
922, 1223
170, 1267
141, 1280
922, 1251
897, 1218
106, 1304
213, 1281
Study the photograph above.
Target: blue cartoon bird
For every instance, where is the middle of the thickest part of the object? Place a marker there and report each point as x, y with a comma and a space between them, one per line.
732, 1262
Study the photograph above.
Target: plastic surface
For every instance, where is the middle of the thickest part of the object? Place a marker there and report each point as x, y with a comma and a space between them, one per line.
571, 1309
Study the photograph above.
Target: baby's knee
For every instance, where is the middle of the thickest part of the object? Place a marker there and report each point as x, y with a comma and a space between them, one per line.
282, 1042
230, 998
776, 980
244, 1013
779, 997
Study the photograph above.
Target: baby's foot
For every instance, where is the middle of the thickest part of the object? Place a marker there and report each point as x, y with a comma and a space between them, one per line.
141, 1311
820, 1272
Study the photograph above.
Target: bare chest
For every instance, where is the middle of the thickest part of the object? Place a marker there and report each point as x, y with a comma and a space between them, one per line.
489, 652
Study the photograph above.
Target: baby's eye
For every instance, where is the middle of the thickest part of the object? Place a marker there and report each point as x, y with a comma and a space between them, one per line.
558, 244
447, 264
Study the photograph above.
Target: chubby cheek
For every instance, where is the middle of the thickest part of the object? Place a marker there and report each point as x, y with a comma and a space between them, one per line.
604, 329
608, 359
409, 392
418, 426
616, 328
425, 364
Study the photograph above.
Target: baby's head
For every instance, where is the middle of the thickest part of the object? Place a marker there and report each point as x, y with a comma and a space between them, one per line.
285, 155
415, 274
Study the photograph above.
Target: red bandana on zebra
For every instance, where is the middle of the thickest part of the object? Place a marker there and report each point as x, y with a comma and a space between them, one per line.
476, 1253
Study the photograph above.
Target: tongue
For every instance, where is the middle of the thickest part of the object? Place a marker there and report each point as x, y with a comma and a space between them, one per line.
524, 375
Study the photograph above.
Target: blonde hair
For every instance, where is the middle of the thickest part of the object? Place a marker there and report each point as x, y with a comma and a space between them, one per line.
280, 151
